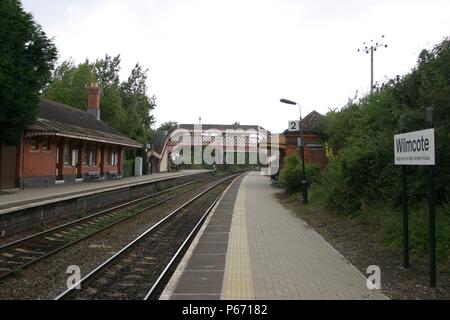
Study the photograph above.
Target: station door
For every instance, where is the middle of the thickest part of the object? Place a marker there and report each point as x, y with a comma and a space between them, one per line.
9, 167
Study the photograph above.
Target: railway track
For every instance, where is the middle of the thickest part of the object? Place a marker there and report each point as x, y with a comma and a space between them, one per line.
20, 254
137, 271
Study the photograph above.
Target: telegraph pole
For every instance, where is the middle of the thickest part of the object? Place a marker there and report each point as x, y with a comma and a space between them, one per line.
371, 49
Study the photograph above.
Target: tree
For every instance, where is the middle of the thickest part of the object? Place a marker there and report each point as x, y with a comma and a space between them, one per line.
27, 58
125, 106
106, 72
363, 170
167, 126
69, 82
137, 104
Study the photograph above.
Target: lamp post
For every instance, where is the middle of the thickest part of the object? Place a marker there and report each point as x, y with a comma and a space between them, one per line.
304, 183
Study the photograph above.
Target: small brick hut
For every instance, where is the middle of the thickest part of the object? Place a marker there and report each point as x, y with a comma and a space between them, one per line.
314, 134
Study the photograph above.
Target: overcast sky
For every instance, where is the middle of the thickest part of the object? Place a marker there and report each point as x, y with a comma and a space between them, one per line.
232, 60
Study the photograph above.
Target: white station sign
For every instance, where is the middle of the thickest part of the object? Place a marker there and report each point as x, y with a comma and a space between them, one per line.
415, 148
294, 125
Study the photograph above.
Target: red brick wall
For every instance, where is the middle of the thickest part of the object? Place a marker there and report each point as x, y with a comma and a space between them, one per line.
38, 163
108, 167
94, 168
312, 155
68, 170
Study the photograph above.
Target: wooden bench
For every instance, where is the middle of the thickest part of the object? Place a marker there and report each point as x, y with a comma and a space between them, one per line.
113, 175
92, 176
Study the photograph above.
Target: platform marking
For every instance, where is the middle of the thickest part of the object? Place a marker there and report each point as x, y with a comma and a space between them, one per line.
238, 282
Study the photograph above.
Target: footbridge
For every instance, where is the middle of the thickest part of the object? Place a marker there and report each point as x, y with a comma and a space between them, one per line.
209, 144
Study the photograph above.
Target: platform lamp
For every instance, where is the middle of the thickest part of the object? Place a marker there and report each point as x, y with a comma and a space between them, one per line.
304, 183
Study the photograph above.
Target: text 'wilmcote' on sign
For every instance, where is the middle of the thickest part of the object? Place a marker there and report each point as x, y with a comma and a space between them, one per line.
415, 148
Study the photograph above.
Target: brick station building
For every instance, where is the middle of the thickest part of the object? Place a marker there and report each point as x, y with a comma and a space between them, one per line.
65, 145
314, 135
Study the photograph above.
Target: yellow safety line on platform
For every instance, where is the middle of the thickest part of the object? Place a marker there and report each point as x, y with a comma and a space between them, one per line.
238, 282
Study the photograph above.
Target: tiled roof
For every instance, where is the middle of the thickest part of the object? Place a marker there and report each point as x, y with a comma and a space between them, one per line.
221, 127
58, 119
158, 141
54, 111
314, 122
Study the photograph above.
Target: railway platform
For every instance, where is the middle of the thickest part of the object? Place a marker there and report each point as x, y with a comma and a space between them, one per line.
16, 199
252, 247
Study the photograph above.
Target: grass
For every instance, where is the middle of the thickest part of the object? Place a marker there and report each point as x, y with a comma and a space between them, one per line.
316, 196
392, 231
390, 224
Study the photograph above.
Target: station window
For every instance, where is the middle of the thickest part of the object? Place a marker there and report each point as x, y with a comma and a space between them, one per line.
92, 156
114, 158
34, 143
74, 158
94, 162
66, 153
107, 155
85, 155
45, 143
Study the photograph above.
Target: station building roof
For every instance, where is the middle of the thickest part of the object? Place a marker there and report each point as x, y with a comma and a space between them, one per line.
57, 119
221, 127
314, 122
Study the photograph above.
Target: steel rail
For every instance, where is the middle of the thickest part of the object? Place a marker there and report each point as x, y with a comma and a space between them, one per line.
104, 212
188, 240
48, 231
131, 244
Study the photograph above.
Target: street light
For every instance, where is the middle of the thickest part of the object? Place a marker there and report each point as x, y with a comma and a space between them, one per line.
302, 152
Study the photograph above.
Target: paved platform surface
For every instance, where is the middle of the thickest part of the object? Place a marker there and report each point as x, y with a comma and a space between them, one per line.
267, 253
200, 274
16, 197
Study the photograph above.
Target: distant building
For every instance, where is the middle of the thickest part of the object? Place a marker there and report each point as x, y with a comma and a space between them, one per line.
314, 133
239, 143
65, 145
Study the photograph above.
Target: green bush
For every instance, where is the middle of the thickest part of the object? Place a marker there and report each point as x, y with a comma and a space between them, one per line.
361, 178
291, 176
128, 168
362, 171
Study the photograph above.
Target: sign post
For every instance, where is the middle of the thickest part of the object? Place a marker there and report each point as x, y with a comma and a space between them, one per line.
418, 148
405, 205
296, 125
432, 208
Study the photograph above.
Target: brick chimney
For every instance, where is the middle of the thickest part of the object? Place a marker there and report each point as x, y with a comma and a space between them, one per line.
94, 99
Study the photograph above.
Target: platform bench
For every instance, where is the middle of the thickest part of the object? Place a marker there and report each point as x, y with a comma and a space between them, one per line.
92, 176
113, 175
